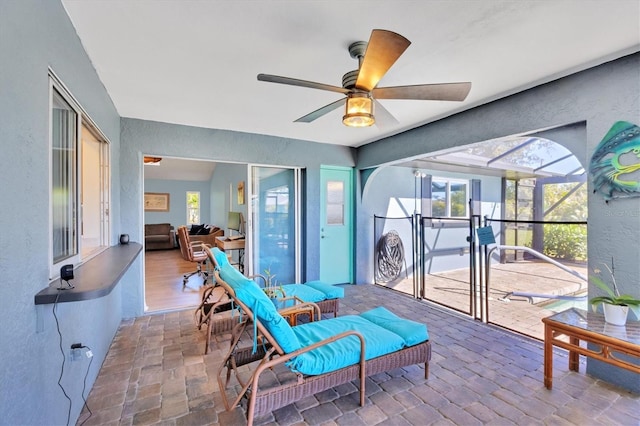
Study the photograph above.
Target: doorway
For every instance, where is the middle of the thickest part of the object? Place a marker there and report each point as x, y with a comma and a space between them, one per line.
274, 228
177, 179
531, 195
271, 207
336, 225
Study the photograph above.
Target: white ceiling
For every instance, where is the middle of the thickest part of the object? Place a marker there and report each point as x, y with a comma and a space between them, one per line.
195, 62
180, 169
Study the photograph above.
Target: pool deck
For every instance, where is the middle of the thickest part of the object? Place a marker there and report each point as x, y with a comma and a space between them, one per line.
451, 289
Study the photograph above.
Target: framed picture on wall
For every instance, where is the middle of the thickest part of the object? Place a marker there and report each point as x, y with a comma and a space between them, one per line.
241, 192
156, 201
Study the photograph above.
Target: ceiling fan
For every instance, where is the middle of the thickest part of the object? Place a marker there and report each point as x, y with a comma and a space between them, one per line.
360, 86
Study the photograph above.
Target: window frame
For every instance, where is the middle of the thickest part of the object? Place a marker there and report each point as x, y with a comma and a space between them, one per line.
449, 221
83, 122
189, 222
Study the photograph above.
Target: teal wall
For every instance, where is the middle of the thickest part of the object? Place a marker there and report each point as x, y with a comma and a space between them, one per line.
36, 35
224, 198
224, 186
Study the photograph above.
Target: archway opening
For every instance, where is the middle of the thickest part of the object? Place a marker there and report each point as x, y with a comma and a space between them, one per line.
530, 190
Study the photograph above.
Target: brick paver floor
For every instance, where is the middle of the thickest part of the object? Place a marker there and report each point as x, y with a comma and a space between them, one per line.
156, 373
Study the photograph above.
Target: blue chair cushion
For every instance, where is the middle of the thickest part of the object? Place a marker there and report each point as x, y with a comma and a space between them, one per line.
220, 256
343, 352
331, 291
232, 276
304, 292
252, 295
412, 332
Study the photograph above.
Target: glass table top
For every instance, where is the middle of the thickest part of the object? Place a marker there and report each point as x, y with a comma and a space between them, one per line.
594, 322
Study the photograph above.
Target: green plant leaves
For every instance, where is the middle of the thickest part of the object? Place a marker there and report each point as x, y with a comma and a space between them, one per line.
603, 286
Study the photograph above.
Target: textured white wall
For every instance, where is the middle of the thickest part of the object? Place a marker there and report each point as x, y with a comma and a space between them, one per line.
35, 35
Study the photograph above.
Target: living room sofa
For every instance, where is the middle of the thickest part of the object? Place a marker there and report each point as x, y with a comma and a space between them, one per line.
205, 233
159, 236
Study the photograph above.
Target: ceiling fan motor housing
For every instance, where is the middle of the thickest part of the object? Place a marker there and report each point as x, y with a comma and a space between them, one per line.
349, 79
357, 51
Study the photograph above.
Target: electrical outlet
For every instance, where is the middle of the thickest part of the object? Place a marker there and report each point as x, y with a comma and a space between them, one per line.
75, 354
76, 351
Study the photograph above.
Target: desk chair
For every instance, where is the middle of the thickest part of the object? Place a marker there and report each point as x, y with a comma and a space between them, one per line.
193, 251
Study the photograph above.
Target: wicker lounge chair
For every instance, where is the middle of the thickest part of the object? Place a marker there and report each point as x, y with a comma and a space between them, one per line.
326, 296
221, 321
213, 299
367, 344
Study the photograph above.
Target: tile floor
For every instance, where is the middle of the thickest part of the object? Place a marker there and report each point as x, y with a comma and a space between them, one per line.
155, 373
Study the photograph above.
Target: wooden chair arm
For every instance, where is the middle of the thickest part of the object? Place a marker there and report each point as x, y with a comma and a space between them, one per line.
198, 246
286, 357
262, 277
268, 362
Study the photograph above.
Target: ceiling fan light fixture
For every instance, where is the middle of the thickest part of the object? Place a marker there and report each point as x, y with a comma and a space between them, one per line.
358, 110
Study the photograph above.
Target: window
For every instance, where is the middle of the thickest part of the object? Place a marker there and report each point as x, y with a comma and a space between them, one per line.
79, 193
64, 121
449, 198
335, 203
193, 207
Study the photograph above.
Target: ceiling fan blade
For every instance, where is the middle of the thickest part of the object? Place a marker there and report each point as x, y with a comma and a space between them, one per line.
302, 83
321, 111
383, 49
425, 92
384, 119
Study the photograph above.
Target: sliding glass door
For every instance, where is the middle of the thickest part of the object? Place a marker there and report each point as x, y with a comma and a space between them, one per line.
274, 212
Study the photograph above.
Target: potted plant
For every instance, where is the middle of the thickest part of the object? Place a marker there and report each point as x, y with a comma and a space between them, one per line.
614, 305
271, 288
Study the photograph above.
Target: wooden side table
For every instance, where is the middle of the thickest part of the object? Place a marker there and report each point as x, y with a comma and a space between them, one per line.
297, 308
226, 244
568, 328
291, 314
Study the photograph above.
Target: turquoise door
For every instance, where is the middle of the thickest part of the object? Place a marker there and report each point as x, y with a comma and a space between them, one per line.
336, 225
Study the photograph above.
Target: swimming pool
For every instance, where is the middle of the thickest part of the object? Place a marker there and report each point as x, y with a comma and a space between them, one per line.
562, 305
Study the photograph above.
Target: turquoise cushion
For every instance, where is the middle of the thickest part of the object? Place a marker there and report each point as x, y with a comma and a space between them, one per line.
331, 291
412, 332
252, 295
303, 292
231, 276
220, 257
343, 352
